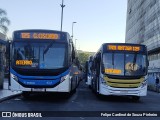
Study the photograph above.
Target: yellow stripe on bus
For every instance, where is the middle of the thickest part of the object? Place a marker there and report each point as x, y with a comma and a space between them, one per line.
124, 80
129, 83
123, 85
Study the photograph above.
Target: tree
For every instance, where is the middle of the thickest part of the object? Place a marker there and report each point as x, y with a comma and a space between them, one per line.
4, 21
84, 56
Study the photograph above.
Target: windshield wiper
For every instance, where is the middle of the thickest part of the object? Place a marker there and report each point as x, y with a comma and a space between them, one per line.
134, 60
47, 48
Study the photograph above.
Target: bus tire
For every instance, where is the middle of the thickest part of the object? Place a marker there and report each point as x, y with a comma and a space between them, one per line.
67, 95
73, 90
135, 98
25, 94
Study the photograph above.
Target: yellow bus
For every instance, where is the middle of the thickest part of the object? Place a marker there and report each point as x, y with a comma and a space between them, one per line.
120, 69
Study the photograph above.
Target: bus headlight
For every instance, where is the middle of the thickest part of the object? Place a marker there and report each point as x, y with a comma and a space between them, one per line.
64, 78
144, 83
103, 81
14, 77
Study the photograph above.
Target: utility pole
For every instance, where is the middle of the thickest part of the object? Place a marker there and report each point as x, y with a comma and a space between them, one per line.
62, 5
75, 43
72, 29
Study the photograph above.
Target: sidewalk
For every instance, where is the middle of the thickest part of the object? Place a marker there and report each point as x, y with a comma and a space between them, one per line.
5, 93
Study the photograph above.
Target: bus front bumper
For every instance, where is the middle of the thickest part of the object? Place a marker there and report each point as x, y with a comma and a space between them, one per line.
62, 87
107, 90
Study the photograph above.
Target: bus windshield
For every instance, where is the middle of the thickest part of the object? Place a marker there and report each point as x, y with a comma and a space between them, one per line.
42, 55
125, 64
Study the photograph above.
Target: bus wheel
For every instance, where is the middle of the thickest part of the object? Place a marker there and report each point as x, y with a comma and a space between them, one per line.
67, 95
73, 90
25, 94
135, 98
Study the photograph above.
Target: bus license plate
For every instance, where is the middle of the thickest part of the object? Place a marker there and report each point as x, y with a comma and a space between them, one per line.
123, 91
38, 89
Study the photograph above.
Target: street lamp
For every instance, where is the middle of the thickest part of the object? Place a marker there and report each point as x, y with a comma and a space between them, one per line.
62, 5
75, 42
72, 29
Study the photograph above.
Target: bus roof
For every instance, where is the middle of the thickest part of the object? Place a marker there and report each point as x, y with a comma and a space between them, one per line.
38, 30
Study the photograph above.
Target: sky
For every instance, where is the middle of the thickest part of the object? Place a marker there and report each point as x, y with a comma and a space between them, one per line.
98, 21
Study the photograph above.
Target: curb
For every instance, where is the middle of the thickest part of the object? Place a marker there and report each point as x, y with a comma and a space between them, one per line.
9, 97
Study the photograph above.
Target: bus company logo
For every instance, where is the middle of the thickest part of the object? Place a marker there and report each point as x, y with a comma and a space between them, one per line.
20, 114
6, 114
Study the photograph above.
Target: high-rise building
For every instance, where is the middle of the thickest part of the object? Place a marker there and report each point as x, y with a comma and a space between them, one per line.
2, 36
143, 27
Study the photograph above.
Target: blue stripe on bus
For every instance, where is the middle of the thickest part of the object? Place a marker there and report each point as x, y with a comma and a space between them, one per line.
39, 77
39, 80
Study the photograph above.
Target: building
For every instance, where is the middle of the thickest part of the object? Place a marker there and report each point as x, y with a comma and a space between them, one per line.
143, 27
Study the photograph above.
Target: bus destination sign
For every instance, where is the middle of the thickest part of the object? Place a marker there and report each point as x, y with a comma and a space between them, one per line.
124, 48
36, 35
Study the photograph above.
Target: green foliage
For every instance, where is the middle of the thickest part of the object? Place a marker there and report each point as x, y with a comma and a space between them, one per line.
4, 21
84, 56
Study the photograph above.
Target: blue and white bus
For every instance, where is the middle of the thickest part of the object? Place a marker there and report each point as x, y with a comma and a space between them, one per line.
42, 61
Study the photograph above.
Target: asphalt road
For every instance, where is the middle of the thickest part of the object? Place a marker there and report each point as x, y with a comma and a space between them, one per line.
83, 100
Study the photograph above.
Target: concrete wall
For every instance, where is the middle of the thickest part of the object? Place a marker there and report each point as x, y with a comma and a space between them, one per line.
143, 27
